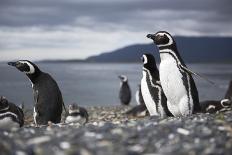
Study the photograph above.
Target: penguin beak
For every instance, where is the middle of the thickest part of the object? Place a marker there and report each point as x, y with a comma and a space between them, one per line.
12, 63
151, 36
120, 77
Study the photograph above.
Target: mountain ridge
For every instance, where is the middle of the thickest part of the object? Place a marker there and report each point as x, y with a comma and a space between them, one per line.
192, 49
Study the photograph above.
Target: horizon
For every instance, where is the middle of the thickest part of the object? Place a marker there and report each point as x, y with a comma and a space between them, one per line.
119, 48
50, 29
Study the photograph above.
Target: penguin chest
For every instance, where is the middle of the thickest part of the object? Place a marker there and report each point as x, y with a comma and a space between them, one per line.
75, 119
8, 123
172, 81
147, 96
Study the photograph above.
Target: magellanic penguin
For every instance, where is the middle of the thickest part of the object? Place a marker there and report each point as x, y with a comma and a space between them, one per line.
47, 95
153, 96
11, 116
216, 106
124, 92
176, 79
212, 106
140, 109
76, 114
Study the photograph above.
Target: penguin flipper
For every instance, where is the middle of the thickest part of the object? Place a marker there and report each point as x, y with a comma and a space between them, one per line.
197, 74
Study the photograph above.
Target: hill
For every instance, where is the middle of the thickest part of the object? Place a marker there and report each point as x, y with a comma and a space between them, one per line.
192, 49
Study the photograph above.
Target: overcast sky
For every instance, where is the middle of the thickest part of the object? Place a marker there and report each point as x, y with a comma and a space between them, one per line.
64, 29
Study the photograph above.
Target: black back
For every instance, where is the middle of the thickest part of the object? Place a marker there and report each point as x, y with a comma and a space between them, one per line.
50, 101
125, 93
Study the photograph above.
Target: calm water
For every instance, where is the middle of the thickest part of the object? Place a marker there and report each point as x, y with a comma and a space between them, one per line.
97, 84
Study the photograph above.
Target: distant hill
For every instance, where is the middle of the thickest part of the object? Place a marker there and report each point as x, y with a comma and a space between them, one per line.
192, 49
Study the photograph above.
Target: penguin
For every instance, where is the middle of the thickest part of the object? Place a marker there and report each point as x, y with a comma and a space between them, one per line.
216, 106
124, 92
11, 116
47, 95
176, 79
152, 92
228, 94
140, 109
76, 114
213, 106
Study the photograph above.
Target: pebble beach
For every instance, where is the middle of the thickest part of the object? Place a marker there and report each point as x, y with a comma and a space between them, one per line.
109, 131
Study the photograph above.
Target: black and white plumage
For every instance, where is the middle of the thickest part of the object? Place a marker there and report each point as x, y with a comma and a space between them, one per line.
124, 92
140, 109
11, 116
229, 92
151, 88
213, 106
77, 114
216, 106
47, 95
176, 79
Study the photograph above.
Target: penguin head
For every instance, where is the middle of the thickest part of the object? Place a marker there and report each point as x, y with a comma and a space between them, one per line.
3, 103
73, 108
226, 103
25, 66
123, 78
149, 61
162, 38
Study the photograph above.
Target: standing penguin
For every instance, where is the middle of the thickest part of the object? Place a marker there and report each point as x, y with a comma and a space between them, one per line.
124, 92
152, 92
176, 79
140, 109
47, 96
10, 115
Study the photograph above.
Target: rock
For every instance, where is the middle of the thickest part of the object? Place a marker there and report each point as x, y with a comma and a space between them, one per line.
109, 131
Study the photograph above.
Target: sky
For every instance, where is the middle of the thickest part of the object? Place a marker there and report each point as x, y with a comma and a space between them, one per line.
76, 29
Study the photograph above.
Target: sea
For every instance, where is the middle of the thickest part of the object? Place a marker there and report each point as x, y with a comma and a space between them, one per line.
97, 84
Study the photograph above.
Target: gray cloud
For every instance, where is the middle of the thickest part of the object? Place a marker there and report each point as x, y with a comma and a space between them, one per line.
53, 12
70, 25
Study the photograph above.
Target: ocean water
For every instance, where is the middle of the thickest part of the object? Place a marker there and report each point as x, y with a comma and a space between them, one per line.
98, 84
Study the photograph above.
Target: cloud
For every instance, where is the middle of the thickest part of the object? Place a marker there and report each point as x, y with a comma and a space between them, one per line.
56, 29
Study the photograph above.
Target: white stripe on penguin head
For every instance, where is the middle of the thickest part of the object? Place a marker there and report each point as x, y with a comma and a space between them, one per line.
145, 59
169, 38
31, 67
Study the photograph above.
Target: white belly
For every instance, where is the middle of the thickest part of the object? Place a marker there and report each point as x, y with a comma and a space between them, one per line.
171, 81
137, 97
149, 102
8, 123
75, 119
